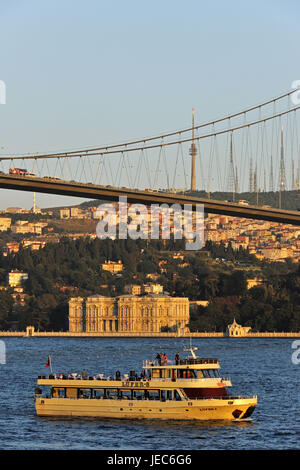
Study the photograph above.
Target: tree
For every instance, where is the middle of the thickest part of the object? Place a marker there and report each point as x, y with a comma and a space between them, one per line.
6, 306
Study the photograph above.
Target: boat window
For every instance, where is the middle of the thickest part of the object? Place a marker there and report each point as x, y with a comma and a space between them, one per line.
156, 373
85, 393
58, 392
186, 374
71, 392
126, 394
177, 396
153, 394
166, 373
112, 393
138, 394
98, 394
206, 373
169, 394
200, 374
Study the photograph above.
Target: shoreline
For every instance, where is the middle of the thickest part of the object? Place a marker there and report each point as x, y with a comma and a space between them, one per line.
66, 334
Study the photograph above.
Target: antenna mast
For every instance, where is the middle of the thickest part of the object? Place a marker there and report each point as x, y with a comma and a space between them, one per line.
193, 151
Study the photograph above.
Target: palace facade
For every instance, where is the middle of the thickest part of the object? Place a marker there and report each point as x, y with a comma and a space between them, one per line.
128, 314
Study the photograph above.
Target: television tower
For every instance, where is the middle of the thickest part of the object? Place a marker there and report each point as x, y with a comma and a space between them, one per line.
193, 151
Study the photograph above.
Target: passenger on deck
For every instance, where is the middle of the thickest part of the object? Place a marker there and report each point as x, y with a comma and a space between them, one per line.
158, 357
165, 361
177, 359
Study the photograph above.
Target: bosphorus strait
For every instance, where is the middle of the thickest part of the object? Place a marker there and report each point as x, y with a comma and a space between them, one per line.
261, 366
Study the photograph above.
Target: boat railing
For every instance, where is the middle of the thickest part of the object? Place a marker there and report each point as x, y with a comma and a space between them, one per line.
225, 397
187, 361
124, 377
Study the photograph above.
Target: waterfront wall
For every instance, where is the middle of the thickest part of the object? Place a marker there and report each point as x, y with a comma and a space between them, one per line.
67, 334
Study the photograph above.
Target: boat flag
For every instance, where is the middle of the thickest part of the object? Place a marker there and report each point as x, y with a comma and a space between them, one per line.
48, 363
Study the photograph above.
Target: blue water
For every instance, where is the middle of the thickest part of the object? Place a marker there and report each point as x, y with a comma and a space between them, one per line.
261, 366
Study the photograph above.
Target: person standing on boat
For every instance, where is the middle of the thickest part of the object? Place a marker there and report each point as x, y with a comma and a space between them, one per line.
165, 359
177, 359
159, 358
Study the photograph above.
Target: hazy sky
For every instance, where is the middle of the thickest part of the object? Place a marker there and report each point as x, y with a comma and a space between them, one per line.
85, 73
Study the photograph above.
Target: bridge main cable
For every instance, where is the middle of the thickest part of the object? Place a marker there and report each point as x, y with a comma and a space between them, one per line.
160, 145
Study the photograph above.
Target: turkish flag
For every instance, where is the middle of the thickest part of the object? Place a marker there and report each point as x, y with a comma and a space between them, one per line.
48, 362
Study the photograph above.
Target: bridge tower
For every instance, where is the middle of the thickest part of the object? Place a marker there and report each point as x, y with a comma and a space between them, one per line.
193, 151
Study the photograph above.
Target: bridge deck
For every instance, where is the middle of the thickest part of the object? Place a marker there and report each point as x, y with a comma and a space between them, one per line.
90, 191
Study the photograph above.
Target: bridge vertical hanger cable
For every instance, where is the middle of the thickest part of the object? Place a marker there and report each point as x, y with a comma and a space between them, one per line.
258, 175
106, 181
77, 166
293, 146
218, 163
297, 153
138, 170
32, 169
175, 168
147, 166
273, 129
243, 163
157, 169
119, 169
55, 168
166, 169
91, 170
129, 179
97, 171
102, 165
69, 168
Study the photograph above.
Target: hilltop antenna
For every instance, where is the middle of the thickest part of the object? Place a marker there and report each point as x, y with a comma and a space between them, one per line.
193, 151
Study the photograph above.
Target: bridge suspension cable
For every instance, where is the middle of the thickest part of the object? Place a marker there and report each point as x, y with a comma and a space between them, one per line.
113, 148
105, 150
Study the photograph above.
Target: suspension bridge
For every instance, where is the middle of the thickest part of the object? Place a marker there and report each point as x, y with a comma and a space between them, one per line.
253, 151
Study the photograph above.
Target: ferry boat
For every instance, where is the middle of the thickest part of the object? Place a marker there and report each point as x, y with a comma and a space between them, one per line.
185, 389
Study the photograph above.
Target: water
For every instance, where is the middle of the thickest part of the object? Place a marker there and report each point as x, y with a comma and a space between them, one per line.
261, 366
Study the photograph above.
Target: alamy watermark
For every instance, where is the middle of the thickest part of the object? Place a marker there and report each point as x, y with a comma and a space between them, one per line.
2, 92
296, 353
159, 221
295, 97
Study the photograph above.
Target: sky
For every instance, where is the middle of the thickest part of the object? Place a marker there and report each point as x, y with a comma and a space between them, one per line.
81, 74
